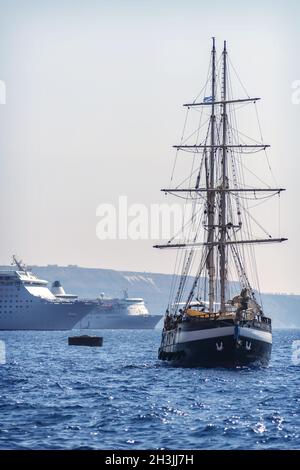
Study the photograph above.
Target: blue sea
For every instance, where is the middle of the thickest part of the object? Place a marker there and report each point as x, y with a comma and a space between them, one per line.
55, 396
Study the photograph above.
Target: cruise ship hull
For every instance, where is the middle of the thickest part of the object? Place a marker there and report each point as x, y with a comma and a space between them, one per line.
114, 321
55, 316
217, 346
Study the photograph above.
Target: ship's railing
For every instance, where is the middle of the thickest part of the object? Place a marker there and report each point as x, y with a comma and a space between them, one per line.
190, 313
246, 315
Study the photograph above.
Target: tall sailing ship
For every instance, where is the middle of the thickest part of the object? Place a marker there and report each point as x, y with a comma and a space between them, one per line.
215, 315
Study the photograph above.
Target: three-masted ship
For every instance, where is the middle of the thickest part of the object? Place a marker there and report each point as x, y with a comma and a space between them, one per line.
215, 316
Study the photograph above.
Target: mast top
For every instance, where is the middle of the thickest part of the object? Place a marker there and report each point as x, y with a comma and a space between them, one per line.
18, 263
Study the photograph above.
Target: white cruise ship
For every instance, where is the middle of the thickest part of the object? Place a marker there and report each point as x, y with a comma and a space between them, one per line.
26, 303
115, 313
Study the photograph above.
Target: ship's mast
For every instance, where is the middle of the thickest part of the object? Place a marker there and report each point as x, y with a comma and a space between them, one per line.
218, 192
223, 196
211, 194
18, 263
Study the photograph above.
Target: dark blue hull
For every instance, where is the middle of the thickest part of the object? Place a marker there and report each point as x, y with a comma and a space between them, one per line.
226, 345
204, 353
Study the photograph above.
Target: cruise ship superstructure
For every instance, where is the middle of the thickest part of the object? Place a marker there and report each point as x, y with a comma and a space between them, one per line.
120, 313
26, 303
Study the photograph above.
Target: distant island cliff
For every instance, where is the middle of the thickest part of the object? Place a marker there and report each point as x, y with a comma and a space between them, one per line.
284, 309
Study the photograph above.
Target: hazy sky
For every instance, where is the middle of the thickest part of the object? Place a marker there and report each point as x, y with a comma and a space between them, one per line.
94, 94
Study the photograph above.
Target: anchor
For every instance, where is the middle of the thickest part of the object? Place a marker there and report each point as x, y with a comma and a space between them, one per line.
248, 345
219, 346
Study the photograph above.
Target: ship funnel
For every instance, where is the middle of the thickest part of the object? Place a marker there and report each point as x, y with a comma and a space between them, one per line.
57, 288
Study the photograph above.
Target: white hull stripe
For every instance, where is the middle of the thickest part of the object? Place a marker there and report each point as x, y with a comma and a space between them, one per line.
256, 334
187, 336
